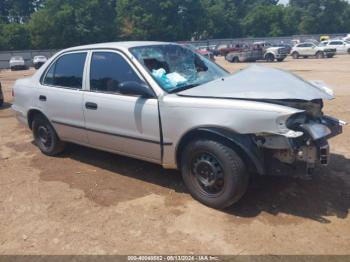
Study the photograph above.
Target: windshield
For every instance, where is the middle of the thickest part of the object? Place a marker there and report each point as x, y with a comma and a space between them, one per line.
176, 68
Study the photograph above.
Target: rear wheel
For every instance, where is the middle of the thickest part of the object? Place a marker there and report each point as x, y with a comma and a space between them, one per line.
349, 51
213, 173
45, 137
235, 59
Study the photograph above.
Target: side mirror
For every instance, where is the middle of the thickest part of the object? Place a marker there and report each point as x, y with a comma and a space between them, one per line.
136, 89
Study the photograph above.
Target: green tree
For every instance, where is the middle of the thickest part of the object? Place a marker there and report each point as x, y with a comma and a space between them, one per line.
14, 37
167, 20
64, 23
265, 20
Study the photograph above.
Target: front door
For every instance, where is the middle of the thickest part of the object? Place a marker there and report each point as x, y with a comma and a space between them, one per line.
120, 123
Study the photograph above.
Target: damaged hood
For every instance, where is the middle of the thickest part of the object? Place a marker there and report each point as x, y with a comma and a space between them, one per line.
262, 83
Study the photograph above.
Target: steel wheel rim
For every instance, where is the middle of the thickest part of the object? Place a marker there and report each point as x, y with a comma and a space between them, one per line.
207, 173
44, 136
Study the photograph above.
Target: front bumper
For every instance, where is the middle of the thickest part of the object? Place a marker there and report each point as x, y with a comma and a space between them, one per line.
301, 154
280, 56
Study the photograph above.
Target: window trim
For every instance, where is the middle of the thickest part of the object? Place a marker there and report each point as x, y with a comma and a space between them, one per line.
127, 60
48, 68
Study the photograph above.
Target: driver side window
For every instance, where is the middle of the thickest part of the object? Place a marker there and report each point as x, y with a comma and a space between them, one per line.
108, 70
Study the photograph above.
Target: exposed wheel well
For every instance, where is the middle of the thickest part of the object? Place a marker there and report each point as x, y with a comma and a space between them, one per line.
214, 135
31, 115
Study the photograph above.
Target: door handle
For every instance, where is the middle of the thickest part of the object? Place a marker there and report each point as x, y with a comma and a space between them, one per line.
42, 98
91, 106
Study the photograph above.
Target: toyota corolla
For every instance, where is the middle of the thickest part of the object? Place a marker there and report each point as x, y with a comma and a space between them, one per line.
163, 103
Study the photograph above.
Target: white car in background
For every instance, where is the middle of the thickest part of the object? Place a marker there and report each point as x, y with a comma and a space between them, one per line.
343, 47
308, 49
38, 61
17, 62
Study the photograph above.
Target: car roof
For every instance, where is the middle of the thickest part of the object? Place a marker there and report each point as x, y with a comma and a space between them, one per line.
117, 45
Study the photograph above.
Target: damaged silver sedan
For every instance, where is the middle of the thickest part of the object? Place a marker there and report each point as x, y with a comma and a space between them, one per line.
163, 103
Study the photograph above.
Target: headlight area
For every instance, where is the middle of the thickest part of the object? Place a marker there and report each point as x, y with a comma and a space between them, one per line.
299, 145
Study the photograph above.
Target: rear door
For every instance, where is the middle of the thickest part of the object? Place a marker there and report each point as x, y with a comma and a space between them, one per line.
339, 45
117, 122
60, 96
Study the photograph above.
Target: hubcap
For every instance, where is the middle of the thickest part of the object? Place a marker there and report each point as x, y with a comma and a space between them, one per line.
208, 173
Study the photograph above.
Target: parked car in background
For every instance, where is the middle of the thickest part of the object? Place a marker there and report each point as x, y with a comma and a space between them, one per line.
38, 61
273, 53
202, 51
286, 46
341, 46
324, 37
248, 55
207, 53
225, 49
257, 52
1, 96
164, 103
17, 63
310, 49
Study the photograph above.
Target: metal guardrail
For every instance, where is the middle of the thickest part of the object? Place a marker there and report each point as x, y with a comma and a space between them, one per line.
28, 55
273, 40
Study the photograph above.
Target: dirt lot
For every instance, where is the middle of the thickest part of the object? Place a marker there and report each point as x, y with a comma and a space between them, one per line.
91, 202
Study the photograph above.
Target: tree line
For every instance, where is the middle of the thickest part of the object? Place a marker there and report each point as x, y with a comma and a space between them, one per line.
50, 24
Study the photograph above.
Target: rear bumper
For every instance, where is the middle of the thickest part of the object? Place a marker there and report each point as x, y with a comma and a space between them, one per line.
21, 117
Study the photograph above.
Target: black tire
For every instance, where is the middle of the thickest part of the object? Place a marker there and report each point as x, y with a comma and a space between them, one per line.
45, 137
213, 173
349, 51
319, 55
235, 59
280, 59
1, 102
330, 56
270, 58
295, 55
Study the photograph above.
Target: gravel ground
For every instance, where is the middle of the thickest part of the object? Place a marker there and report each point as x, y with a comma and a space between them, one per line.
91, 202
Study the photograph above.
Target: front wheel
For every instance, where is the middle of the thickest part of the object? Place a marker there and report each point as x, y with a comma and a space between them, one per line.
295, 55
213, 173
235, 59
270, 58
320, 55
45, 137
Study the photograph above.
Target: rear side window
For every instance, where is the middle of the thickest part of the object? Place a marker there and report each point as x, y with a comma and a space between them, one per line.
108, 70
67, 71
336, 43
